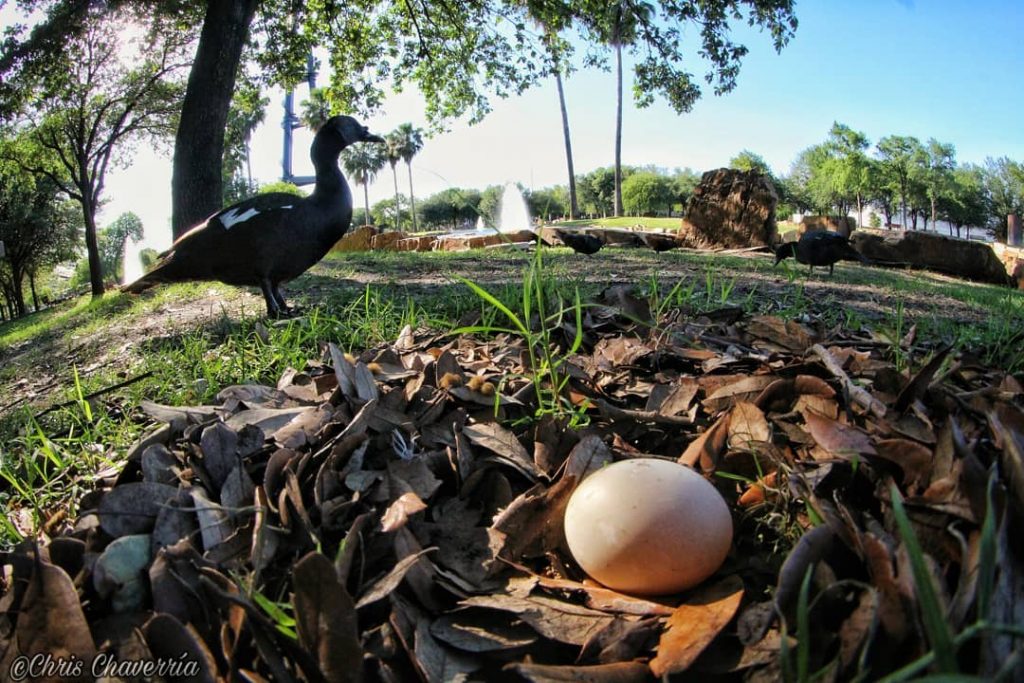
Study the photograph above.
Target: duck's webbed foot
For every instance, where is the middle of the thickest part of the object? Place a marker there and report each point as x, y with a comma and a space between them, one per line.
276, 308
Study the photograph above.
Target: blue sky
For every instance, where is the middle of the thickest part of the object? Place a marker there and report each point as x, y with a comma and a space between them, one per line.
943, 69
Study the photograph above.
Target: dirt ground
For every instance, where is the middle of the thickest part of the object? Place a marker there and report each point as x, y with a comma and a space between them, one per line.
36, 371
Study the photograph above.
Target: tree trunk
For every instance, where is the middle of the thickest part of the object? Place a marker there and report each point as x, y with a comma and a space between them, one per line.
92, 249
196, 184
618, 130
32, 286
860, 211
366, 200
17, 276
412, 197
398, 208
573, 205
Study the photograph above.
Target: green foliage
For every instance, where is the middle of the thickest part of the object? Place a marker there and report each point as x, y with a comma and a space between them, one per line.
453, 208
384, 213
1004, 183
38, 227
248, 110
645, 193
749, 161
362, 163
316, 109
548, 203
282, 186
106, 79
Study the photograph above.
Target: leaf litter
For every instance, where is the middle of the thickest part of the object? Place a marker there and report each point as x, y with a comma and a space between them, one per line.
398, 515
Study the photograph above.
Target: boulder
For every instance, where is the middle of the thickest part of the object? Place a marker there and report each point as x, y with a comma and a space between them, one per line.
356, 240
730, 209
460, 243
1012, 259
422, 243
387, 241
962, 258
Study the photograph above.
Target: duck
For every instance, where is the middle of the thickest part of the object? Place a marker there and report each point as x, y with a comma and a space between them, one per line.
819, 248
659, 242
271, 238
580, 242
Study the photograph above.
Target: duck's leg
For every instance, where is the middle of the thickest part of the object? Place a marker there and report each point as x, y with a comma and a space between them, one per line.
282, 303
273, 309
831, 267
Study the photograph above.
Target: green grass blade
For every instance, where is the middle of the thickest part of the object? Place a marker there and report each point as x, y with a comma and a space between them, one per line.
987, 553
935, 626
493, 301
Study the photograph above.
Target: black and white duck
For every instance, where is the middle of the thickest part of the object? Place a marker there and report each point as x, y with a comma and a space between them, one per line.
271, 238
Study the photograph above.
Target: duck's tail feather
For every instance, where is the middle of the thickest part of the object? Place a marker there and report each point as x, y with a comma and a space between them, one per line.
154, 277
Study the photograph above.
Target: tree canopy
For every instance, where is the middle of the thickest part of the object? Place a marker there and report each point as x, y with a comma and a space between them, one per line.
458, 54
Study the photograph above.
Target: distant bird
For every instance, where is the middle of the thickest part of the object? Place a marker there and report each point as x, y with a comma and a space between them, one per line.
271, 238
821, 248
659, 242
580, 242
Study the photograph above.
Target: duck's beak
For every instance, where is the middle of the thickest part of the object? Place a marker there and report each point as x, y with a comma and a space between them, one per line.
370, 137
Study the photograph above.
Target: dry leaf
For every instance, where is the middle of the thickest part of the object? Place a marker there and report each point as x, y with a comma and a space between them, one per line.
696, 623
398, 513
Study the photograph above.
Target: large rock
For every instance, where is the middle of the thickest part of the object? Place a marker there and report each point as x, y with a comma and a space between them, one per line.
356, 240
464, 243
387, 241
962, 258
422, 243
730, 209
1012, 259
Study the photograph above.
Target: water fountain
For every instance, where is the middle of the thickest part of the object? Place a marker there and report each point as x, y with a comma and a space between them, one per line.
132, 264
513, 213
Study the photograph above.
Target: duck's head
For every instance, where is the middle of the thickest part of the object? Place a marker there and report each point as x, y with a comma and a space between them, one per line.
784, 251
341, 131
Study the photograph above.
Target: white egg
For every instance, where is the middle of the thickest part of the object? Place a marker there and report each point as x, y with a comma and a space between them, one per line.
648, 526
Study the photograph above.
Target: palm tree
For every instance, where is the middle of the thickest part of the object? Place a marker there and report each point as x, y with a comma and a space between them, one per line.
393, 144
316, 109
362, 163
623, 18
411, 143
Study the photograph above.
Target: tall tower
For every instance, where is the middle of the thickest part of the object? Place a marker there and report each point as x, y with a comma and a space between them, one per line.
290, 123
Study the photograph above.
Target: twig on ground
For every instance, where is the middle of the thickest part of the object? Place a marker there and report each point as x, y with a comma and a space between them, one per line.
859, 395
105, 390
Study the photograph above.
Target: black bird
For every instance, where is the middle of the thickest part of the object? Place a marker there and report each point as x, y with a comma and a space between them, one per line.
271, 238
820, 248
659, 242
580, 242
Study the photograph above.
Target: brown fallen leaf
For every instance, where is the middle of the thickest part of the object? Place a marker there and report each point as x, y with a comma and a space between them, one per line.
696, 623
707, 448
838, 439
325, 618
398, 513
747, 426
51, 623
617, 672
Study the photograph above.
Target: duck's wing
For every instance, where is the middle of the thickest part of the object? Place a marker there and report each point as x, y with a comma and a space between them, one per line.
239, 216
